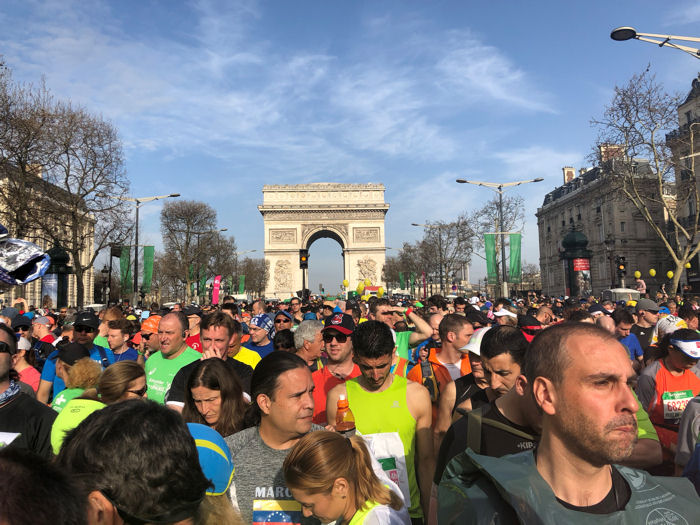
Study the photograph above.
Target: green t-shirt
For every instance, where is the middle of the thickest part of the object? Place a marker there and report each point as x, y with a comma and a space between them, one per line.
64, 396
70, 417
160, 372
402, 344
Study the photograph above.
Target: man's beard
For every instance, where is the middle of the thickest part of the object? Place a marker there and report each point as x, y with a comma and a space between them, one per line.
598, 447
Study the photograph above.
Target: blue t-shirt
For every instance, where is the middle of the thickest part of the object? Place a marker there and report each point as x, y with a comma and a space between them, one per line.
130, 355
632, 345
261, 350
49, 371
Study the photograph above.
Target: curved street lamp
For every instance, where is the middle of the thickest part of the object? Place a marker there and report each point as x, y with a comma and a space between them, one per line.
629, 33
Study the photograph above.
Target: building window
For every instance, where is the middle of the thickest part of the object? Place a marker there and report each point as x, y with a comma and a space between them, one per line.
622, 227
563, 224
549, 229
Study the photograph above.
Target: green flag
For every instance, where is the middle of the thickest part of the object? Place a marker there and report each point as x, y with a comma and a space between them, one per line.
490, 248
402, 281
127, 281
413, 279
514, 272
202, 280
191, 275
148, 253
241, 284
229, 284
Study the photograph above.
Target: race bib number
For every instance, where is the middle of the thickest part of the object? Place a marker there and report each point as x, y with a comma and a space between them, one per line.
675, 403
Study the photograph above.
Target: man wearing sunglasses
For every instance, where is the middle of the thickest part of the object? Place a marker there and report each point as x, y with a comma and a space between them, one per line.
336, 337
27, 420
85, 329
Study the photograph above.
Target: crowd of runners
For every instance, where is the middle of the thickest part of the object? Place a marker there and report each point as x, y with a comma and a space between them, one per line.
386, 411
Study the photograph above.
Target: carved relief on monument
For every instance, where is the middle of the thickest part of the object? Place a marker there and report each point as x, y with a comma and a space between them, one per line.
365, 234
367, 269
283, 274
283, 236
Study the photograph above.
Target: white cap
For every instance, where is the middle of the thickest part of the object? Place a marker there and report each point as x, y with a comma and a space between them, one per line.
503, 311
474, 344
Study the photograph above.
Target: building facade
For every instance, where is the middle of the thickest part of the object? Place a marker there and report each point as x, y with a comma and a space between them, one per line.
686, 156
587, 203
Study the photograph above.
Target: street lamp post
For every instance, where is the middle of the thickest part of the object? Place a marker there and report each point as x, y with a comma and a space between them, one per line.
498, 187
629, 33
439, 228
138, 202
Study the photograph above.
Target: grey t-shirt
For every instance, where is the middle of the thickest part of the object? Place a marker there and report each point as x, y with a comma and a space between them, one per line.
258, 486
688, 432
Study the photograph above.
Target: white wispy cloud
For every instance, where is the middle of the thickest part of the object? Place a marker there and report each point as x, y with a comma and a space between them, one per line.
680, 14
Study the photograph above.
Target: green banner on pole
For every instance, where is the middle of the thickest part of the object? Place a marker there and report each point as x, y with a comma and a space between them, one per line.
402, 281
191, 275
127, 282
515, 270
203, 280
413, 278
241, 284
148, 254
490, 249
229, 284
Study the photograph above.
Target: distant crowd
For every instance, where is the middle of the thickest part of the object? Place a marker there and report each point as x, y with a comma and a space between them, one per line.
385, 411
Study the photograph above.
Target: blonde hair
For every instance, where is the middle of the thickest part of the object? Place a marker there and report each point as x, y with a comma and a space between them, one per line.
114, 382
319, 458
217, 510
84, 373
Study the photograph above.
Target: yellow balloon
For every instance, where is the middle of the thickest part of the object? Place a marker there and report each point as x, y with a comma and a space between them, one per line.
368, 282
637, 274
346, 283
380, 292
687, 265
365, 297
360, 287
652, 272
669, 274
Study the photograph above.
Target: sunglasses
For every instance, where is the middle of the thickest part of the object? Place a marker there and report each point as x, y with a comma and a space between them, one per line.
83, 329
146, 336
140, 392
328, 337
23, 328
277, 321
5, 348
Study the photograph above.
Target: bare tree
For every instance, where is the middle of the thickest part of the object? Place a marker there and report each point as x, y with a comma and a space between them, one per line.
60, 168
257, 273
636, 128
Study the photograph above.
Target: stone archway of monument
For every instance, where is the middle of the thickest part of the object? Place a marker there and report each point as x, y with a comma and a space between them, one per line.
296, 215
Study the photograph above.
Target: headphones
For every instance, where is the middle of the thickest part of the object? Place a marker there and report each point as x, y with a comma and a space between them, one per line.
184, 334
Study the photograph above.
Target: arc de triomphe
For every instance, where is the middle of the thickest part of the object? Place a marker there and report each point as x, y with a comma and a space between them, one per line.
297, 215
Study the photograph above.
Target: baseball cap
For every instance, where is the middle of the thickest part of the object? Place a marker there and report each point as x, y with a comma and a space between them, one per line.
596, 308
192, 310
474, 344
214, 458
88, 319
648, 305
473, 300
69, 353
668, 325
689, 348
341, 322
21, 320
150, 325
46, 321
9, 311
284, 313
503, 312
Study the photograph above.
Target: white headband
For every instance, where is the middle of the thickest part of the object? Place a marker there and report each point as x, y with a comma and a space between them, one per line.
689, 348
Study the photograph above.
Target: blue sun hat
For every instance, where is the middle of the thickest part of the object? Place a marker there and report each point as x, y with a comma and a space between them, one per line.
214, 458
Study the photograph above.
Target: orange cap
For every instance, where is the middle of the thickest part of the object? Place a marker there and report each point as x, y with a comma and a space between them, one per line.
150, 325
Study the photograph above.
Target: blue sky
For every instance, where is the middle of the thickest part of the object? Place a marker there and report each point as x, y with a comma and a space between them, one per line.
215, 99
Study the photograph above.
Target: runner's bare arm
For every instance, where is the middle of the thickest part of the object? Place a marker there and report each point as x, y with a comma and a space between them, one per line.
42, 394
444, 419
418, 400
422, 332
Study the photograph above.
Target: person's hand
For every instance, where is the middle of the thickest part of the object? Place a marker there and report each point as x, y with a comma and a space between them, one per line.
208, 354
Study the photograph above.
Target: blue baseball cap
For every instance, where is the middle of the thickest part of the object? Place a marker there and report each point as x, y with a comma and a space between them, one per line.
214, 458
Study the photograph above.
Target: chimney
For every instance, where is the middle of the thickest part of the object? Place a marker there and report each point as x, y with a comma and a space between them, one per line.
569, 174
610, 151
581, 171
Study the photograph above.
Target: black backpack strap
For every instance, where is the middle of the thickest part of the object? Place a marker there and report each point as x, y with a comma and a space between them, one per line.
474, 420
103, 357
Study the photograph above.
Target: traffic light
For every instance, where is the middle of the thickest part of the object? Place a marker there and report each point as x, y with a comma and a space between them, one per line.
621, 266
303, 259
